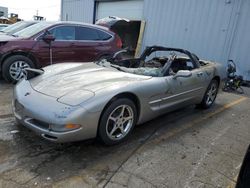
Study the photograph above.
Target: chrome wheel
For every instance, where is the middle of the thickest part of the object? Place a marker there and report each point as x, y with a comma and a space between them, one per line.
17, 71
211, 93
119, 122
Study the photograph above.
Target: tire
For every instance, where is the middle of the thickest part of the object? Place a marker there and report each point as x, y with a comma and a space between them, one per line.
210, 95
13, 66
113, 121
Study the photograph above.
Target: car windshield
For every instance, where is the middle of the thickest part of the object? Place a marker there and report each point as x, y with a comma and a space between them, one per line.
17, 27
144, 71
2, 27
32, 30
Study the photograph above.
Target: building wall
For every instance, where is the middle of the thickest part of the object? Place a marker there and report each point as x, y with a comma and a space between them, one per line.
4, 10
77, 10
216, 30
240, 44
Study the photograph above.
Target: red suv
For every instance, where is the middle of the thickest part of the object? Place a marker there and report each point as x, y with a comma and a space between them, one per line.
53, 42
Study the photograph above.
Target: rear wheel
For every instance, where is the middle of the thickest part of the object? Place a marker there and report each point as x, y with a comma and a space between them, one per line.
210, 95
13, 68
117, 121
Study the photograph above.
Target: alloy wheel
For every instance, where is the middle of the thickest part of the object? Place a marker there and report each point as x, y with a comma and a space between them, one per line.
17, 71
211, 93
119, 122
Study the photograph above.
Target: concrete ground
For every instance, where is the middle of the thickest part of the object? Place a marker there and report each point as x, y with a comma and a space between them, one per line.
186, 148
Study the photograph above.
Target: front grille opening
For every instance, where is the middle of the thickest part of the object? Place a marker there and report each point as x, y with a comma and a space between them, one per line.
39, 123
50, 137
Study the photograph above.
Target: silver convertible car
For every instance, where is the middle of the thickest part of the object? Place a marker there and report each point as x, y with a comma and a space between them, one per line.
76, 101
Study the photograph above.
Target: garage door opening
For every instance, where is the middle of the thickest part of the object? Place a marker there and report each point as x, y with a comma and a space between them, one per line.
130, 32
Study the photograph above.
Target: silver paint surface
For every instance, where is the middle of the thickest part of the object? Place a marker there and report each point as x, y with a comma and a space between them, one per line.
77, 93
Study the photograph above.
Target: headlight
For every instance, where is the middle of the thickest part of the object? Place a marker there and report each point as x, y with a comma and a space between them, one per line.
76, 97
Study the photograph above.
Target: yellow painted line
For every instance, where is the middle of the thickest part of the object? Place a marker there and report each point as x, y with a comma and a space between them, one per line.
168, 135
193, 123
232, 184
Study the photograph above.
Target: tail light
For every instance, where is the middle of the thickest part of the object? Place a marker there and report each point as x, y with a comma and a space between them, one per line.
119, 42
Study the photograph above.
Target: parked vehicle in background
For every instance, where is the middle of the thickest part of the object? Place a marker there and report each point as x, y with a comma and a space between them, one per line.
18, 26
2, 26
62, 41
76, 101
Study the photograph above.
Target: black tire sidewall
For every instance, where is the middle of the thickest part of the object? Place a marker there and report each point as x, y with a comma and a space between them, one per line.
102, 135
9, 61
203, 103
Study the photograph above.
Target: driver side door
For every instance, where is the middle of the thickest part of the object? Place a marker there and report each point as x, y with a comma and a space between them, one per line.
183, 91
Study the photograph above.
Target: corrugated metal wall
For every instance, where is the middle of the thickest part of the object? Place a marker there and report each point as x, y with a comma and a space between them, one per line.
77, 10
201, 26
217, 30
239, 50
5, 11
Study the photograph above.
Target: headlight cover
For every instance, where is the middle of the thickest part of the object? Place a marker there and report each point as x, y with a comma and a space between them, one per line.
76, 97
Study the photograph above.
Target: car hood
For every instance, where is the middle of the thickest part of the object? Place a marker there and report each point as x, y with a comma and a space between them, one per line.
62, 79
4, 37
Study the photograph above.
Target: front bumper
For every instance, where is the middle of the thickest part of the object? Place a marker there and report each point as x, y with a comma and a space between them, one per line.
42, 114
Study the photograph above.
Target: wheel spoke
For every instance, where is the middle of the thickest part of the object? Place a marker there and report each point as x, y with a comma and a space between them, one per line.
122, 111
208, 100
128, 118
20, 75
122, 129
12, 71
113, 130
113, 119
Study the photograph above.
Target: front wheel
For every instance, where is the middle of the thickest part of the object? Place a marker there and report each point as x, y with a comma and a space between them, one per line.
210, 95
117, 121
13, 68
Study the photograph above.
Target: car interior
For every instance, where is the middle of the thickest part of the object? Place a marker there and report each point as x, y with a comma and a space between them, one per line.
156, 66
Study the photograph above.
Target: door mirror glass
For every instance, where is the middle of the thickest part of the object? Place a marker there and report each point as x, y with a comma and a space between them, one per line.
183, 73
49, 38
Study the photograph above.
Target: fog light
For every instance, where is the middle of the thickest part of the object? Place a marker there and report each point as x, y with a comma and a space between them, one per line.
72, 126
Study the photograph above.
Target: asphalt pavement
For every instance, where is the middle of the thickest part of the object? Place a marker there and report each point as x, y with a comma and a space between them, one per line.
185, 148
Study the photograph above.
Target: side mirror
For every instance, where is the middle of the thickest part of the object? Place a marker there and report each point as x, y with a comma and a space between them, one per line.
49, 38
182, 73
